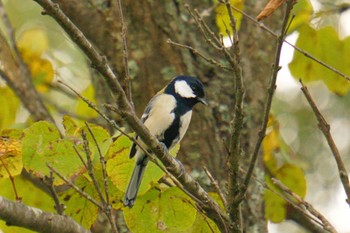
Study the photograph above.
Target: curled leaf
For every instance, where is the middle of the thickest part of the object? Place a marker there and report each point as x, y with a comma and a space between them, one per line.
270, 7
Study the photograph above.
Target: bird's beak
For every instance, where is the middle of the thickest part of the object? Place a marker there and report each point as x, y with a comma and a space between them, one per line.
202, 100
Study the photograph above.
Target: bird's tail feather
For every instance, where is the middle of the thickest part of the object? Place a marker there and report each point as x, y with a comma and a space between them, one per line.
134, 184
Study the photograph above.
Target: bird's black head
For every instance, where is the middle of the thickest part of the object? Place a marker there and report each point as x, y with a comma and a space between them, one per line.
187, 89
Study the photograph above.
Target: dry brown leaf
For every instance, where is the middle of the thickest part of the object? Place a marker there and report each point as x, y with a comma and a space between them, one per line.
270, 7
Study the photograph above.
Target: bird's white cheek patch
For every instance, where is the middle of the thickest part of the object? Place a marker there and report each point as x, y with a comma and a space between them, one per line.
183, 89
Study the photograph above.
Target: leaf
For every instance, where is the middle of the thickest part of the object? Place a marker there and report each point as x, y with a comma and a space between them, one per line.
119, 166
71, 128
33, 41
32, 44
294, 178
78, 207
42, 144
10, 158
324, 44
222, 17
168, 211
303, 12
30, 194
82, 109
9, 104
270, 7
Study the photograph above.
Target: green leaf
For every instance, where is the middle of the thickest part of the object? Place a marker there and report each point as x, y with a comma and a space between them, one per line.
30, 194
222, 17
168, 211
325, 45
119, 166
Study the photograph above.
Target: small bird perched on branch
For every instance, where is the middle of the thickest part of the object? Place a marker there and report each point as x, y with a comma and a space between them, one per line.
167, 116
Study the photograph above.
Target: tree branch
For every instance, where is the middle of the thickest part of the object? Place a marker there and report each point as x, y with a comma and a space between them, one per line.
325, 128
18, 214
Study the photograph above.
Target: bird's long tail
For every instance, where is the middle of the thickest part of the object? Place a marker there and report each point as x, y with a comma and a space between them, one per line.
135, 181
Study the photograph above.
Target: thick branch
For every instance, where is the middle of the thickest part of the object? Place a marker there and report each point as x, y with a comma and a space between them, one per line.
18, 214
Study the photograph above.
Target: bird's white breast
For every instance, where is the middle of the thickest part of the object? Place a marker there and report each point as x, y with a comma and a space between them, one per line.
161, 115
184, 123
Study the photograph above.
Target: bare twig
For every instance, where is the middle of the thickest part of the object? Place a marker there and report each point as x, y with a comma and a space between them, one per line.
11, 179
49, 182
215, 184
270, 93
127, 77
103, 163
76, 188
196, 52
306, 54
326, 224
90, 167
325, 128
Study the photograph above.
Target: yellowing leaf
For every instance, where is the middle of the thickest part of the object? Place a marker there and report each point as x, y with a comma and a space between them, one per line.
33, 41
10, 158
9, 104
303, 12
42, 72
42, 144
275, 207
82, 108
294, 178
325, 45
168, 211
78, 207
222, 17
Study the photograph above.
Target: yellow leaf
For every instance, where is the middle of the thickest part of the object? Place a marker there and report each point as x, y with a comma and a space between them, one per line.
33, 41
10, 158
32, 44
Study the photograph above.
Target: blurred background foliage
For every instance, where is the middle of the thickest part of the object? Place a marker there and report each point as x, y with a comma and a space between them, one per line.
294, 150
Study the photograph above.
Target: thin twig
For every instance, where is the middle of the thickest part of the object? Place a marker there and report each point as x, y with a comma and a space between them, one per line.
271, 90
127, 77
306, 54
326, 224
196, 52
102, 161
76, 188
325, 129
215, 184
50, 184
11, 179
90, 167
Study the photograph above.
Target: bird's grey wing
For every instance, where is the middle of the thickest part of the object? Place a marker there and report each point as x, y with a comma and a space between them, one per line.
144, 117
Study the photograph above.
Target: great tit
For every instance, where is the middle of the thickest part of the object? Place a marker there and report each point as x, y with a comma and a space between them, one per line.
167, 116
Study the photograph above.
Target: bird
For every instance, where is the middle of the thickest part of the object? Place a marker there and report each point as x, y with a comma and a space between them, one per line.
167, 117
